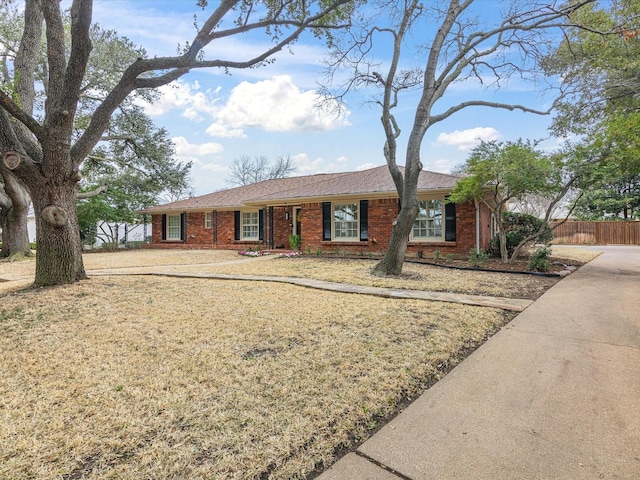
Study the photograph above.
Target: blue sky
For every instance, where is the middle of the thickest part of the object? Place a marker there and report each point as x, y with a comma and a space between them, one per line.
214, 118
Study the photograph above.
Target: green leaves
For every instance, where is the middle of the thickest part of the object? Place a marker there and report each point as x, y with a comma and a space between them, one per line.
599, 62
614, 187
507, 169
137, 165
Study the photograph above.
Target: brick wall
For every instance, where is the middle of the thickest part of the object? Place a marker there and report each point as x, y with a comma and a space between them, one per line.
282, 226
156, 230
382, 213
197, 234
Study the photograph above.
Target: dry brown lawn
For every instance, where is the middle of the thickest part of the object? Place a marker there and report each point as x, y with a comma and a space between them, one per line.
134, 377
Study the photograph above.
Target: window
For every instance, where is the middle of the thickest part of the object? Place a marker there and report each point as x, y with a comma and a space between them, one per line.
428, 224
250, 226
345, 222
207, 220
174, 227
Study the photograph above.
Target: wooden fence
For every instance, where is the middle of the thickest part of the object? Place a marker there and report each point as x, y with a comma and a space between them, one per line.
597, 233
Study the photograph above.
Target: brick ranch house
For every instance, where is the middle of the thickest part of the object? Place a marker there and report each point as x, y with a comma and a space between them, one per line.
350, 212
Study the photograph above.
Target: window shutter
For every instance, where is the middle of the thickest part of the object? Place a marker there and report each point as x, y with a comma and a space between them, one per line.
326, 221
164, 226
364, 220
183, 226
450, 222
261, 225
236, 225
214, 225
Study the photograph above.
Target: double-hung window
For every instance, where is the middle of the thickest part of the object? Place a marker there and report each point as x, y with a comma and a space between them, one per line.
429, 222
346, 222
250, 226
174, 226
207, 220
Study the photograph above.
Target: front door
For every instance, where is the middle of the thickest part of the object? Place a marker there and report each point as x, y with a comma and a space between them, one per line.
297, 224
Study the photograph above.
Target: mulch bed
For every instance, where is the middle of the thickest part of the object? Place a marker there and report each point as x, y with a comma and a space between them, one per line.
557, 265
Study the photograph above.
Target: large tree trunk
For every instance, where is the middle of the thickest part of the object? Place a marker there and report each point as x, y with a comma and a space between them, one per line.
59, 251
393, 260
15, 235
407, 187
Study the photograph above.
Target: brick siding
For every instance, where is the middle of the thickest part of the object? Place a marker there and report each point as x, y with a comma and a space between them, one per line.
381, 214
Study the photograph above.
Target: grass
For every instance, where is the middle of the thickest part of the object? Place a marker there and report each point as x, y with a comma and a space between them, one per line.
151, 377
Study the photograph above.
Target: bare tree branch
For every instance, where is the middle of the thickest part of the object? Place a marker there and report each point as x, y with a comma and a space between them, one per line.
92, 193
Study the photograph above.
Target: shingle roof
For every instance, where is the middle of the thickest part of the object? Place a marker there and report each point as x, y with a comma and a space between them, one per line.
373, 181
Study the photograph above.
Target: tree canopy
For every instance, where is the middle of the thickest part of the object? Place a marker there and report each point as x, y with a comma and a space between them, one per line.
500, 172
456, 41
49, 150
135, 168
614, 192
598, 61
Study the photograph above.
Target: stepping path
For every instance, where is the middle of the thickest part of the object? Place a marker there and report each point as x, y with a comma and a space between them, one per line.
512, 304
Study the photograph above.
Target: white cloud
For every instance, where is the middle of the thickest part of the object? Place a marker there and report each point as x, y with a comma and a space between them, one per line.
467, 139
307, 166
220, 130
186, 149
441, 165
188, 97
366, 166
215, 167
275, 105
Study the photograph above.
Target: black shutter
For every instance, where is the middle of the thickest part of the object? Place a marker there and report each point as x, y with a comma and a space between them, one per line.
236, 224
450, 222
364, 220
261, 225
271, 242
214, 224
183, 226
164, 226
326, 221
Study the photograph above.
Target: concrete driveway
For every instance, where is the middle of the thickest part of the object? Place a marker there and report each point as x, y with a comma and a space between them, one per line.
554, 395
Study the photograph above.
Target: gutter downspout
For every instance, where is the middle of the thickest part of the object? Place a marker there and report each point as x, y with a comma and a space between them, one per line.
477, 225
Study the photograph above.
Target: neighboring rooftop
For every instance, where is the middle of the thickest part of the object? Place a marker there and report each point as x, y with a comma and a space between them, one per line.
372, 181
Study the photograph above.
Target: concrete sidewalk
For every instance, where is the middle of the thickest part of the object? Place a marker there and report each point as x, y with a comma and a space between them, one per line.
554, 395
504, 303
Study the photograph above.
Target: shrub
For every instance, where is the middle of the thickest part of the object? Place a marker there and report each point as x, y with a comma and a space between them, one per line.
539, 261
477, 257
295, 242
519, 226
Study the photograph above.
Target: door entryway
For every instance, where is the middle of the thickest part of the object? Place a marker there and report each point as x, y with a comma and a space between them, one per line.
297, 224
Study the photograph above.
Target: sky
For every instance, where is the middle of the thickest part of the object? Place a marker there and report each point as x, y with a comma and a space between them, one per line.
215, 117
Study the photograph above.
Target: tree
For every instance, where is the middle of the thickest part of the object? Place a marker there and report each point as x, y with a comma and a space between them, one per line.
521, 230
244, 170
499, 172
615, 191
617, 198
110, 56
48, 155
136, 167
461, 46
14, 197
598, 63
